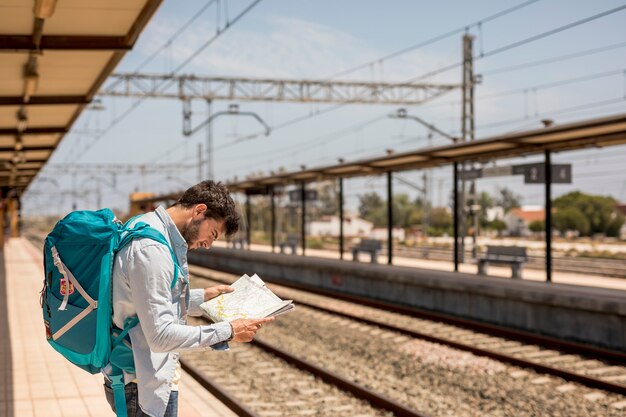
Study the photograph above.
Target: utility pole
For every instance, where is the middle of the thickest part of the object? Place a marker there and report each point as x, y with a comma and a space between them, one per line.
209, 141
467, 128
199, 162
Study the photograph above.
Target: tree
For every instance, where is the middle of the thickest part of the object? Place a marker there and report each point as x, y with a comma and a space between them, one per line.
405, 213
507, 199
497, 225
570, 218
485, 201
372, 208
537, 226
440, 221
328, 200
599, 212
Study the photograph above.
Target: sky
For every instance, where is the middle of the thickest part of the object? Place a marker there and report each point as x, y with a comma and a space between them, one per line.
320, 39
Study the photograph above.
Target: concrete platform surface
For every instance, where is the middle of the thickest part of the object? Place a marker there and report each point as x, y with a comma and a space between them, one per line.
34, 379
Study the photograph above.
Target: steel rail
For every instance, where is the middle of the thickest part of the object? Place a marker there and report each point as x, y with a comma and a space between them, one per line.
375, 399
570, 347
228, 400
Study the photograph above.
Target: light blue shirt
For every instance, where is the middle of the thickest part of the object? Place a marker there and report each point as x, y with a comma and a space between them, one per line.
142, 279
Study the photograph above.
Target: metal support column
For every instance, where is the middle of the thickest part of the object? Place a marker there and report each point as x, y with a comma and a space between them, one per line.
248, 222
14, 213
303, 222
340, 218
2, 213
273, 208
389, 218
455, 214
209, 141
548, 176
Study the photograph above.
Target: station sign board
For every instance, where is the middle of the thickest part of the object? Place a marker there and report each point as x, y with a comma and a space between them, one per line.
296, 195
533, 173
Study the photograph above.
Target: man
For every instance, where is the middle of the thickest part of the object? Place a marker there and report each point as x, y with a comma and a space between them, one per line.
143, 273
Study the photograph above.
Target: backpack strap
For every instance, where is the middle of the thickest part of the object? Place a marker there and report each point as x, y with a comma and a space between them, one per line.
123, 359
143, 230
119, 395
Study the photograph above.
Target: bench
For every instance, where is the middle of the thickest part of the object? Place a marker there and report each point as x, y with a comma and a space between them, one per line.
372, 246
515, 256
239, 243
291, 242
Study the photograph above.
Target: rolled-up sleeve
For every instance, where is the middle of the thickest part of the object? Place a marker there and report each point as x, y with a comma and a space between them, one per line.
150, 276
196, 297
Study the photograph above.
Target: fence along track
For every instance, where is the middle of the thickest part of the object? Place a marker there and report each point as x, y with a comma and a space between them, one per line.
593, 367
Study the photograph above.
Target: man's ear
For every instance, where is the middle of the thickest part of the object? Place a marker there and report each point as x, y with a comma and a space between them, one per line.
199, 208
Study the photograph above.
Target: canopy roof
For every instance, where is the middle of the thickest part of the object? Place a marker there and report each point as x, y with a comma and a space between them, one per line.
54, 56
606, 131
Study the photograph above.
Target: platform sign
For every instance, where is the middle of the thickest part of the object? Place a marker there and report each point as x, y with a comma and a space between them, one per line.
535, 173
296, 195
501, 171
470, 174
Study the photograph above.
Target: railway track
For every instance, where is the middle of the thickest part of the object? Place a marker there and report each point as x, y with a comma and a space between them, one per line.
594, 368
615, 268
262, 380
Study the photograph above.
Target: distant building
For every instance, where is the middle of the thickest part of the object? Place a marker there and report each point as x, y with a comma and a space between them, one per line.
380, 233
494, 213
518, 219
353, 226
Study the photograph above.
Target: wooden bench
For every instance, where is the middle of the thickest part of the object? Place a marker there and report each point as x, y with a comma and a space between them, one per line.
291, 242
372, 246
515, 256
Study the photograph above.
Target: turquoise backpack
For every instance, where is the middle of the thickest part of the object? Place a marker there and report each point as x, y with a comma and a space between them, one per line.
76, 297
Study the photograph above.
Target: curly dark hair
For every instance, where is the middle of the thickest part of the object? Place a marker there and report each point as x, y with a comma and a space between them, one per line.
220, 205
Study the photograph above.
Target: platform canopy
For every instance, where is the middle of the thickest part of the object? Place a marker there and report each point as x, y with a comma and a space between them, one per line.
54, 56
599, 132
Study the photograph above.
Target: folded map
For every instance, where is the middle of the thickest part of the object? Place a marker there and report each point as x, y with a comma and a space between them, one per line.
250, 300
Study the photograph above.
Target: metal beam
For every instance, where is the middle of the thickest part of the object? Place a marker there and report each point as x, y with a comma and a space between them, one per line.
42, 100
548, 225
35, 131
64, 43
340, 218
303, 220
389, 217
28, 148
455, 214
249, 222
186, 87
273, 209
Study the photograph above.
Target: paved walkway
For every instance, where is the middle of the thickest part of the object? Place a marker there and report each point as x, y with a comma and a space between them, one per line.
34, 379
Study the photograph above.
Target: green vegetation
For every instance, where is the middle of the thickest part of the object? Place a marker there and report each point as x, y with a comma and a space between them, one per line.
587, 214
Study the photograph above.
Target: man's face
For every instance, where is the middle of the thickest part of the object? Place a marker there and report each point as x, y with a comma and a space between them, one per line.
200, 232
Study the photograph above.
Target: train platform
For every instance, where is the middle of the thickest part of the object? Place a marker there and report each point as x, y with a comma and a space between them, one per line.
529, 274
34, 379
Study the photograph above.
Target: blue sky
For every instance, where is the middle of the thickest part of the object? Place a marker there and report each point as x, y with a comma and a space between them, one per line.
317, 39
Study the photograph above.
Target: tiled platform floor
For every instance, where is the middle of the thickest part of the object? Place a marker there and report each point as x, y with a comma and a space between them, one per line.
37, 381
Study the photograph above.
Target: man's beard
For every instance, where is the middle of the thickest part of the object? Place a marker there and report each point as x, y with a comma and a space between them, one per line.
191, 231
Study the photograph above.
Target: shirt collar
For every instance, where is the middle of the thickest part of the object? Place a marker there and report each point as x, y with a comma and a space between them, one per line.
175, 237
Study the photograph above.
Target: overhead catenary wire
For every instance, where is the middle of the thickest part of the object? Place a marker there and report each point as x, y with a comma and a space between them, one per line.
432, 40
413, 139
449, 67
552, 60
504, 93
178, 68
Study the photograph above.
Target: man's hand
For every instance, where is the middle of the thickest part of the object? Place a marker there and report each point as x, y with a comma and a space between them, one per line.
212, 292
245, 329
